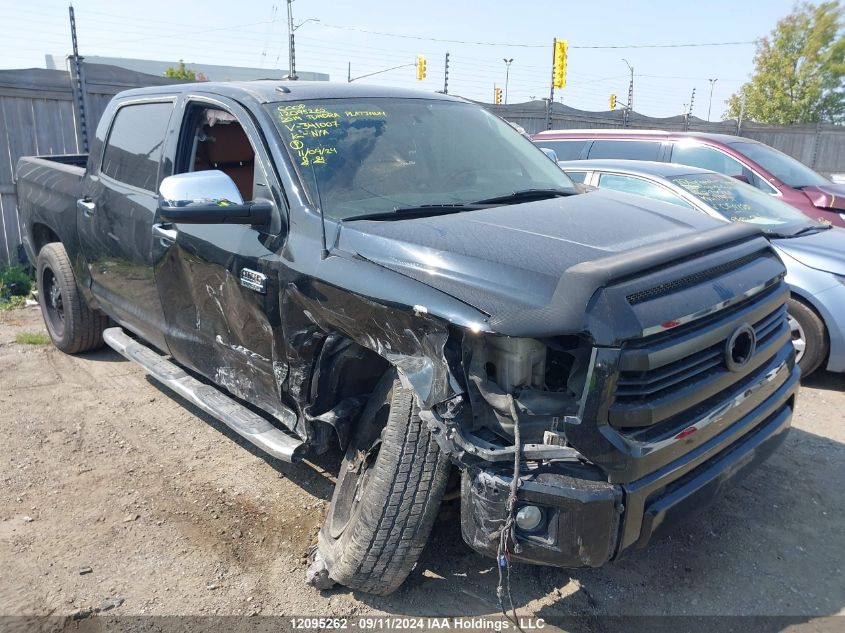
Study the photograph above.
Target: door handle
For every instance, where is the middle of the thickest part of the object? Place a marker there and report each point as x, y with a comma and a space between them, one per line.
87, 206
165, 233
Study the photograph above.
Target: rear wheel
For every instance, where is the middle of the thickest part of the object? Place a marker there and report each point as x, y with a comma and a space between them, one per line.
387, 494
809, 336
72, 325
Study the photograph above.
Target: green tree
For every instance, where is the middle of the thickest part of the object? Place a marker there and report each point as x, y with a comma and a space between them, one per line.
180, 72
799, 70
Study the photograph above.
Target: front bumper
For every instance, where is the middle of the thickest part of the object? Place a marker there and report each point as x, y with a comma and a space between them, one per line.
588, 521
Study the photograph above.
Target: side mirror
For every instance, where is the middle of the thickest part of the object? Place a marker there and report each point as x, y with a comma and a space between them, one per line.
208, 197
550, 153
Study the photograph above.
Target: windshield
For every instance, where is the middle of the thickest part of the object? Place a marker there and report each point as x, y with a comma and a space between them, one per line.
783, 167
739, 202
376, 155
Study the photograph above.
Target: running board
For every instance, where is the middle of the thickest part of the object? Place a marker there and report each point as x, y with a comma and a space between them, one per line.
248, 425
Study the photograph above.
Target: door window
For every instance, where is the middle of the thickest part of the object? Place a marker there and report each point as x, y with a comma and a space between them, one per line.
216, 140
565, 150
629, 150
640, 187
696, 155
135, 142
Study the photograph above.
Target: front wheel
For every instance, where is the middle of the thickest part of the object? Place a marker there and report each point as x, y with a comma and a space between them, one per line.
387, 494
72, 325
809, 336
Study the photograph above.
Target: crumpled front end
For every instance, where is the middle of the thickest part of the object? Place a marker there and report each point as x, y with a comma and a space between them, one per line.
620, 437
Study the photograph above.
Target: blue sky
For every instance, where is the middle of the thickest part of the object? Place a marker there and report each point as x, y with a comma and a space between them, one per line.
254, 33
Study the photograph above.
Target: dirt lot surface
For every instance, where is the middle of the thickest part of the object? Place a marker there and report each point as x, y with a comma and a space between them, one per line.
112, 490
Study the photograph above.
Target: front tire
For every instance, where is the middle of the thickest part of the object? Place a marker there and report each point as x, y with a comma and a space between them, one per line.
388, 491
72, 325
809, 336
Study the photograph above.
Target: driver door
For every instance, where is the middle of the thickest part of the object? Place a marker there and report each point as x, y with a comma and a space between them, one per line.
217, 284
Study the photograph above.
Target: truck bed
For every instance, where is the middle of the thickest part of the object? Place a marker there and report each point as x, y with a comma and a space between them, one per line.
47, 190
76, 160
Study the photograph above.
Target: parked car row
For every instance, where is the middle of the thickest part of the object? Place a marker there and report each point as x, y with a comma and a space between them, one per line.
680, 169
764, 167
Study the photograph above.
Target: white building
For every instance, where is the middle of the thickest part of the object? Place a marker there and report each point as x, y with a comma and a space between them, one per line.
208, 72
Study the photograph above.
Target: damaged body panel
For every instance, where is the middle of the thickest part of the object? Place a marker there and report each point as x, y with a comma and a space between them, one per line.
404, 277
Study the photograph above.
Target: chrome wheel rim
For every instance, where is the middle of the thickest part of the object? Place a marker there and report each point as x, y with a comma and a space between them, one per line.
54, 302
799, 339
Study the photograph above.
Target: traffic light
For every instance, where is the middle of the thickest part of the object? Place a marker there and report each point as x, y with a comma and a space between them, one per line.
420, 67
497, 95
559, 77
612, 100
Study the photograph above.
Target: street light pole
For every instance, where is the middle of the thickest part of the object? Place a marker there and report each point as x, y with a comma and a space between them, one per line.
507, 75
712, 83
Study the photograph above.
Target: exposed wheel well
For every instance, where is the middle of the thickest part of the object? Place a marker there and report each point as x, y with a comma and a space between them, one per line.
346, 371
41, 236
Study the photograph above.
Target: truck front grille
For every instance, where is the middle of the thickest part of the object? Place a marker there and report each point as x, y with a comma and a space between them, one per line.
664, 380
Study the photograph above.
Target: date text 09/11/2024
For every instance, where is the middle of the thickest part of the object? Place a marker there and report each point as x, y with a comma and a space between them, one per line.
416, 623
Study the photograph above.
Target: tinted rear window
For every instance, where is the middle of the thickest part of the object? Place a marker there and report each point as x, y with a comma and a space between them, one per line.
135, 143
565, 150
630, 150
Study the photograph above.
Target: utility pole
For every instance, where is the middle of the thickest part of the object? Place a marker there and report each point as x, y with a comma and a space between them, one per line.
446, 75
291, 46
710, 105
348, 72
507, 75
78, 83
551, 89
688, 112
630, 105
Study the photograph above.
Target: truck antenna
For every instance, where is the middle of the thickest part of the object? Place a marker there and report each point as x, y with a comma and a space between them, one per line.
324, 252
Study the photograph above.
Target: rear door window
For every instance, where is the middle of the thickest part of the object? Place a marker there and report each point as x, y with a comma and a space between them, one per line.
135, 143
696, 155
640, 187
629, 150
565, 150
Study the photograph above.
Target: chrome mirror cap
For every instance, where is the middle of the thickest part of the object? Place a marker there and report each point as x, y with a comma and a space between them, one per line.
199, 188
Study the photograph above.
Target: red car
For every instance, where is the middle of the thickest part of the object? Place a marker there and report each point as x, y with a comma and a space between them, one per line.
750, 161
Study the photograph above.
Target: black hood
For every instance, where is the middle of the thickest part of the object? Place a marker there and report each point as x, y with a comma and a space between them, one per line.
510, 261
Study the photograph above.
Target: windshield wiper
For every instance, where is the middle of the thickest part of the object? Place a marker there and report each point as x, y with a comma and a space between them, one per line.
807, 229
812, 228
528, 194
419, 211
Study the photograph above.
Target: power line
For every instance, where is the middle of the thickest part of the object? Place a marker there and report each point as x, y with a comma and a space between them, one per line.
518, 45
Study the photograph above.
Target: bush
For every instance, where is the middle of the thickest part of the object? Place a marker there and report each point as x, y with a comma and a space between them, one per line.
14, 282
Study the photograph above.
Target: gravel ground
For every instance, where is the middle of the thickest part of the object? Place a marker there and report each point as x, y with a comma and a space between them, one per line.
113, 491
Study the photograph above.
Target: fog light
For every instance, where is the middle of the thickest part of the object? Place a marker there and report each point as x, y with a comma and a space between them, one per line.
528, 518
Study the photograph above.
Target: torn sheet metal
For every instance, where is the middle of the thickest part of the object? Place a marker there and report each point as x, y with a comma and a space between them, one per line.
414, 343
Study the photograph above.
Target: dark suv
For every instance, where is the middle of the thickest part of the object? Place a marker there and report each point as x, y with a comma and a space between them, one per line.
750, 161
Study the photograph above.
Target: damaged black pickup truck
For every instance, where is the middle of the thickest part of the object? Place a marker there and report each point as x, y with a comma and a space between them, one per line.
406, 276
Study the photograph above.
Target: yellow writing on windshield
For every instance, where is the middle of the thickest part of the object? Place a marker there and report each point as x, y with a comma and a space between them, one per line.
311, 129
